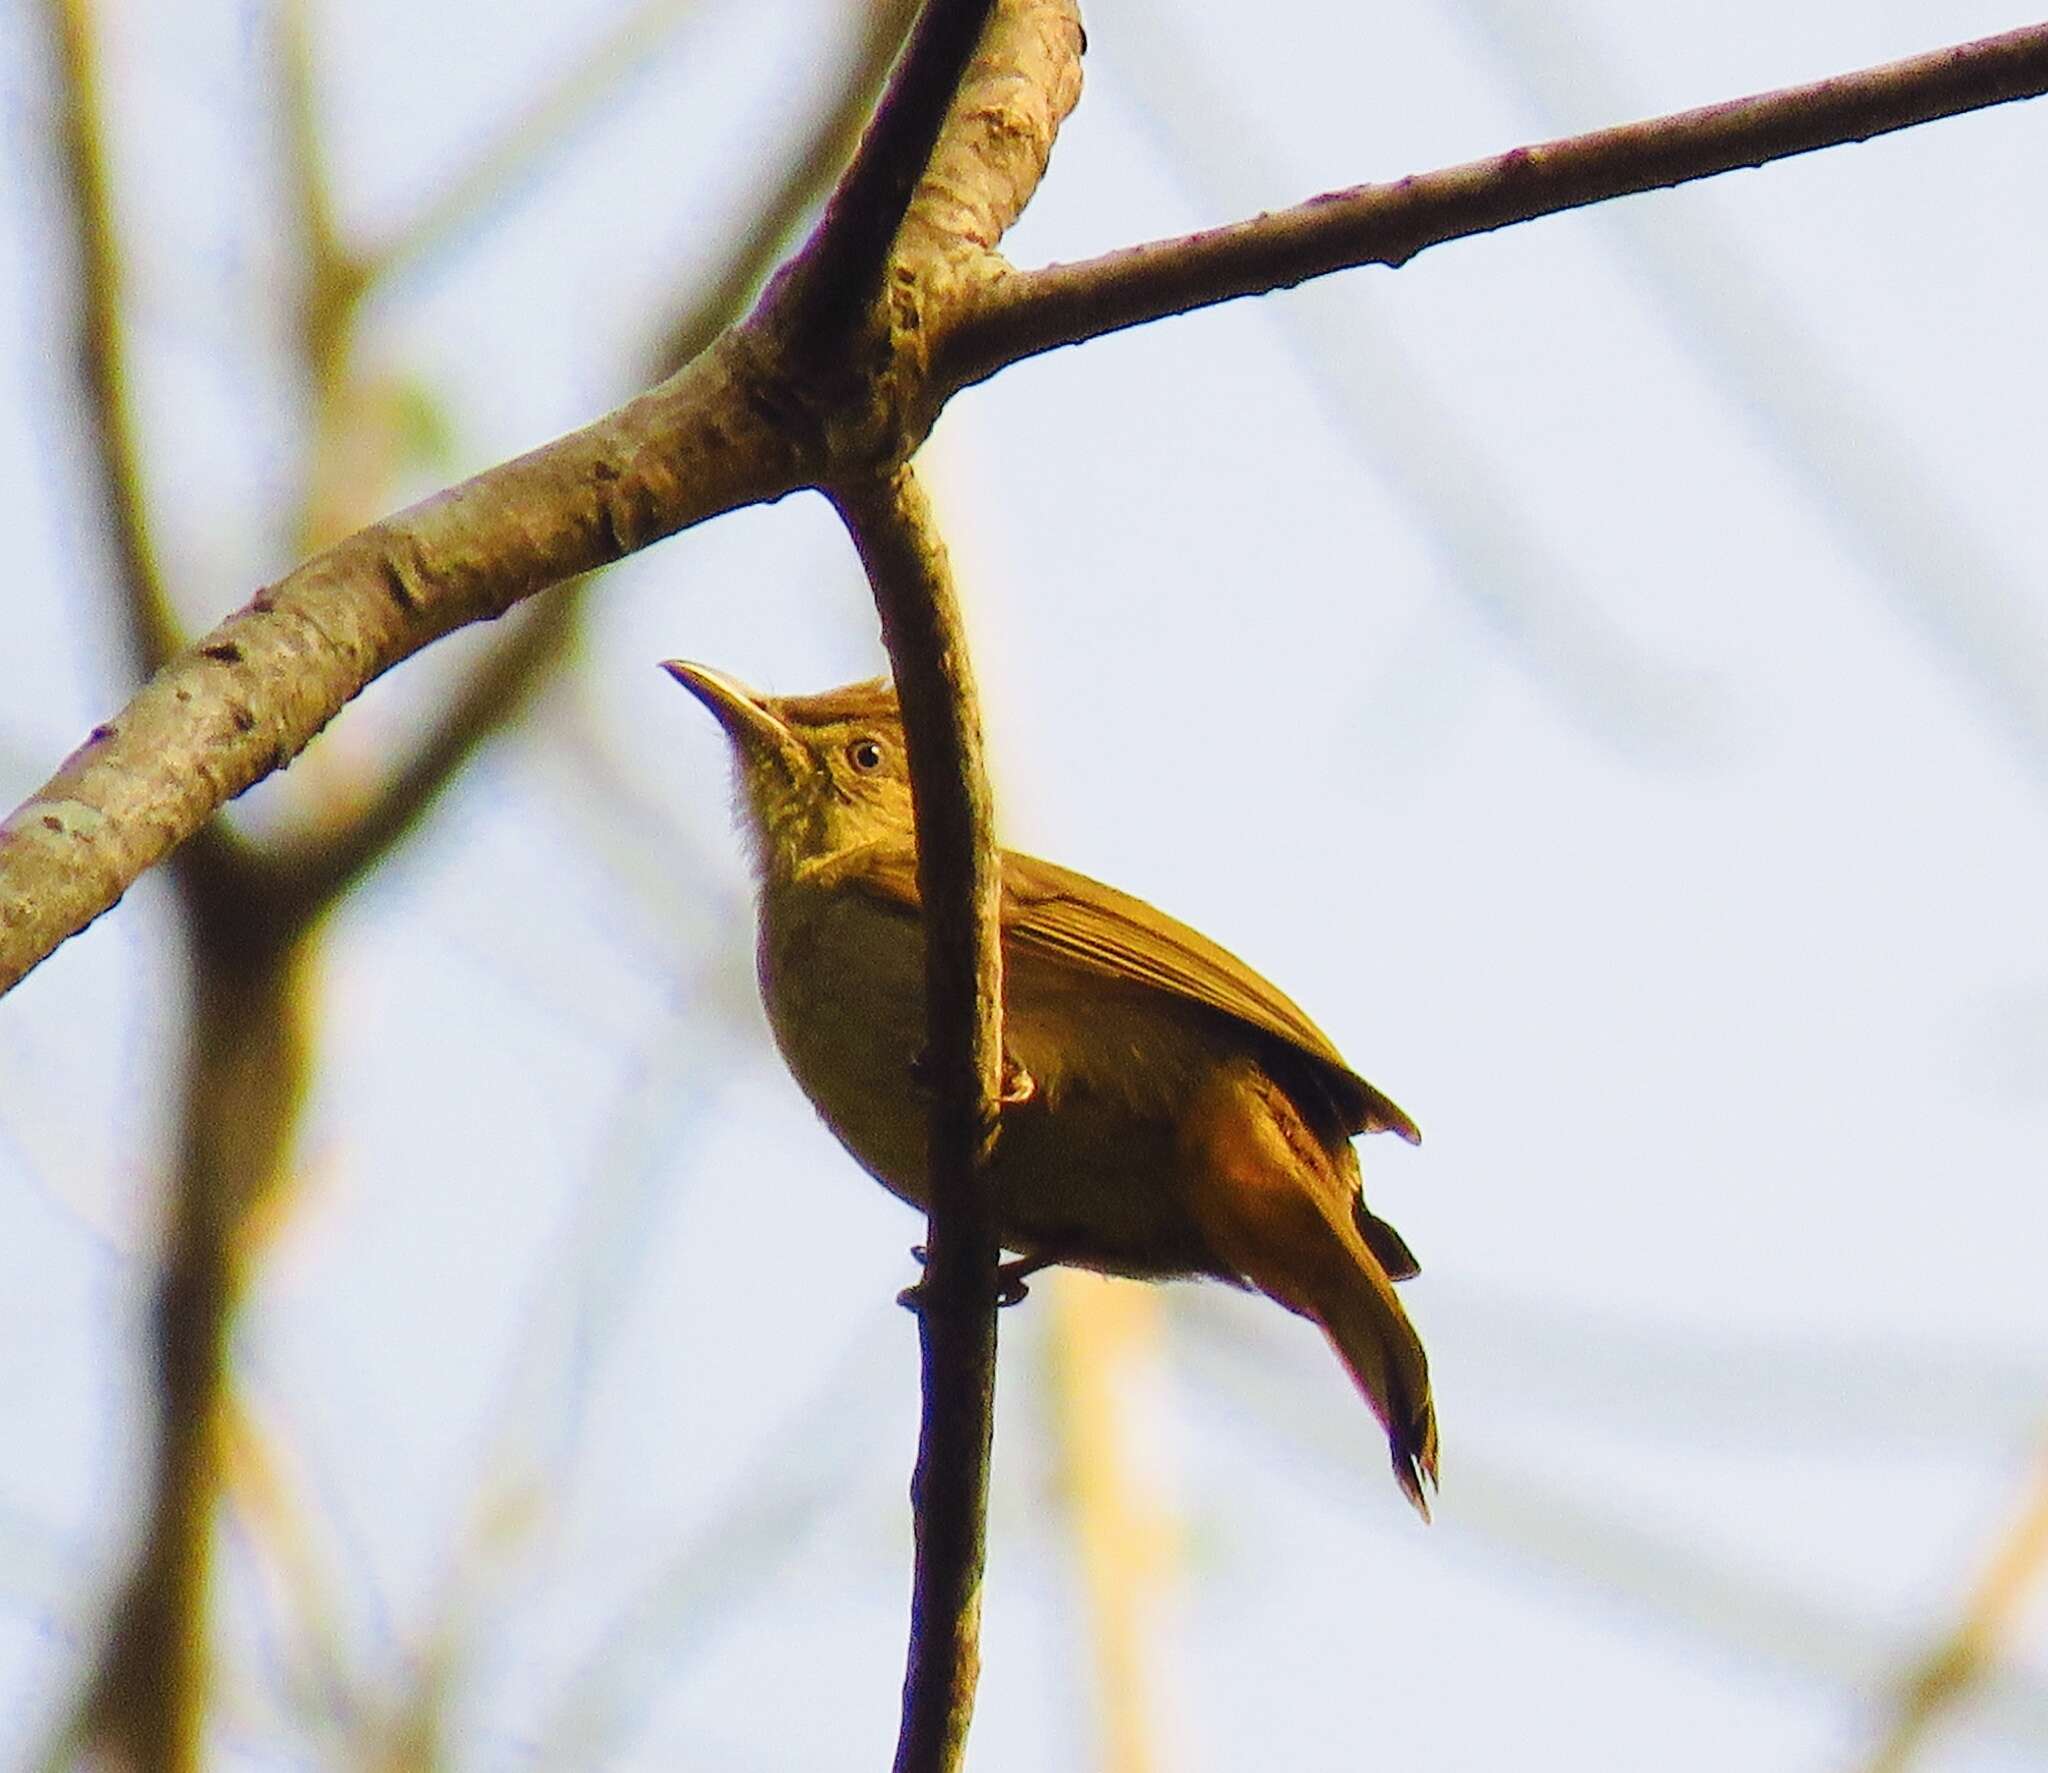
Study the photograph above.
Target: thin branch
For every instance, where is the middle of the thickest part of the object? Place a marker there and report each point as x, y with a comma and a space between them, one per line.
1959, 1663
334, 279
153, 633
1389, 224
843, 264
1387, 393
1866, 466
546, 123
959, 882
744, 423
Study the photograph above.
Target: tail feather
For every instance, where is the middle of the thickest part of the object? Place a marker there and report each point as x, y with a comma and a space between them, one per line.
1379, 1347
1280, 1208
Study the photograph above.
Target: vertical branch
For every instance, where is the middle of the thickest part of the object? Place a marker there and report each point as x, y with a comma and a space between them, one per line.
1101, 1331
245, 1074
959, 884
107, 410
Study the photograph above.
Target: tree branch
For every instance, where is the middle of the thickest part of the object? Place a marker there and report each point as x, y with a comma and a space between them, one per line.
1035, 311
997, 142
959, 881
252, 695
744, 422
809, 170
1959, 1663
153, 633
313, 872
840, 272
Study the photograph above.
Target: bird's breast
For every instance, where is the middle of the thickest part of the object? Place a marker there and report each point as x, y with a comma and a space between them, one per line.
1087, 1166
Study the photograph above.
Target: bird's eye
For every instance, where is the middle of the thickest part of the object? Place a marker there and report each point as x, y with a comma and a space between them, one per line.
865, 755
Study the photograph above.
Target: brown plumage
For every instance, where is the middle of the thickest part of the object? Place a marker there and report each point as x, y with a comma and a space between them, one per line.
1182, 1116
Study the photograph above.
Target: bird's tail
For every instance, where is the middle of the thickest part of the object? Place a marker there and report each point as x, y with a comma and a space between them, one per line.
1359, 1313
1279, 1208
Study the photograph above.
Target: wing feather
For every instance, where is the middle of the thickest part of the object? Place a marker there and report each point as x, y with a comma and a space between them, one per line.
1069, 919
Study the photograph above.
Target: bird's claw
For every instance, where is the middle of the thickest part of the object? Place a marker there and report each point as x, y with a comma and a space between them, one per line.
1010, 1278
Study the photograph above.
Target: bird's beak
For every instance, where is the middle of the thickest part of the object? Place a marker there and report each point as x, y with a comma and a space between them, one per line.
746, 717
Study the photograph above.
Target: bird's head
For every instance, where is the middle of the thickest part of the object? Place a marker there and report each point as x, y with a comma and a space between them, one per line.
819, 777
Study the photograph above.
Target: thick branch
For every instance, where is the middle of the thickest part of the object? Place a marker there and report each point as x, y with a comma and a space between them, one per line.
958, 883
1021, 87
102, 355
255, 691
1036, 311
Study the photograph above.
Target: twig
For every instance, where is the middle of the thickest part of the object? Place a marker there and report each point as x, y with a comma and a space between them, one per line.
959, 883
1037, 311
1961, 1660
334, 280
153, 633
252, 695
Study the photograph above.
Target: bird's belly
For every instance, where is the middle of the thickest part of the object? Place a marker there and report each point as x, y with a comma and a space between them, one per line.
1083, 1172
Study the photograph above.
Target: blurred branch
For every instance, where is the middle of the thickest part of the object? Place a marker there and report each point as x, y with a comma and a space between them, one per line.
313, 1672
1563, 1530
1874, 478
107, 409
1954, 1668
314, 871
959, 887
1099, 1328
333, 281
1034, 311
542, 128
1507, 1507
1389, 399
245, 1072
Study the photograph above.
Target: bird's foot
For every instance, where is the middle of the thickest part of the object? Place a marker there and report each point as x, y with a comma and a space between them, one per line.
1010, 1278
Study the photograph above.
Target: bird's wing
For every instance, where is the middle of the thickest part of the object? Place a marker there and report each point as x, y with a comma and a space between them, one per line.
1066, 918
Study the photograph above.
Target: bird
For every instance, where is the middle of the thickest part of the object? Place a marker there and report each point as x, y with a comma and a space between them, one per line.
1167, 1112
